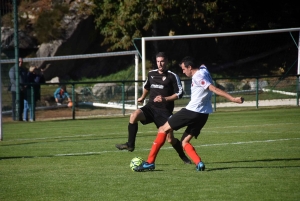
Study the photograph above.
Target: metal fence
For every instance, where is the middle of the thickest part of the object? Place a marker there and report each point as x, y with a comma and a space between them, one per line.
97, 99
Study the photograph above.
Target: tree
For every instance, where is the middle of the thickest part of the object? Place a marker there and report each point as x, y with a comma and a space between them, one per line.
123, 20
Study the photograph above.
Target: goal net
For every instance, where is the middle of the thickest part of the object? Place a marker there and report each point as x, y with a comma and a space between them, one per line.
90, 97
241, 63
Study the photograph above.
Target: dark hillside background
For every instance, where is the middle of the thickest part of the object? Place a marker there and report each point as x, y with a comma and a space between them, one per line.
73, 27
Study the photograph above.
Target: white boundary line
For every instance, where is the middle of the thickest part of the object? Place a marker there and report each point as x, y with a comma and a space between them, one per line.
204, 145
154, 132
163, 148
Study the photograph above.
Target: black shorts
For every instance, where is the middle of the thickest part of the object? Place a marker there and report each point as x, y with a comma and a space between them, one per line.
193, 120
152, 114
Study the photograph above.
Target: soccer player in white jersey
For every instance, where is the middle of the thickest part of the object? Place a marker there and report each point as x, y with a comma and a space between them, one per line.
163, 87
194, 115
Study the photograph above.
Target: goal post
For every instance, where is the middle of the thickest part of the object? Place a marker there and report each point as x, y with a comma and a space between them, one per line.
74, 57
85, 56
214, 35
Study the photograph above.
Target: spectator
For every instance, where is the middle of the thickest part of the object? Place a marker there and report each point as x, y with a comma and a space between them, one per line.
60, 94
33, 76
22, 79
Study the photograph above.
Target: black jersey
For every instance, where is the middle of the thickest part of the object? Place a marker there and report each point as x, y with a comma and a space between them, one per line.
165, 84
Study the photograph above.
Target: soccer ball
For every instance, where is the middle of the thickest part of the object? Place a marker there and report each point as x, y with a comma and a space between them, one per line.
136, 161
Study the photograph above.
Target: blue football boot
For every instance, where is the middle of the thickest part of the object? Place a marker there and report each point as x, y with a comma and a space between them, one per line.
145, 166
200, 166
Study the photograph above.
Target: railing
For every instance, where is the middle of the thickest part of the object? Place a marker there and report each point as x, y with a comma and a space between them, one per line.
95, 99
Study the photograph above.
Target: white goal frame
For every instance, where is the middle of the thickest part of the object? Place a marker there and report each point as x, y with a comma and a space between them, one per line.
157, 38
83, 56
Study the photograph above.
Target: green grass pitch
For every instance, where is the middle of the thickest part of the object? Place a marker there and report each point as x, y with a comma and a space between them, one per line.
249, 154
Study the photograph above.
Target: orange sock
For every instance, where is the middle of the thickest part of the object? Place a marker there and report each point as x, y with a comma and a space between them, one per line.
190, 150
157, 144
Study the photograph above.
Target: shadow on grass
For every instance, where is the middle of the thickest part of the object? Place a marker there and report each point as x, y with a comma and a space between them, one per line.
253, 161
76, 138
48, 156
207, 169
261, 160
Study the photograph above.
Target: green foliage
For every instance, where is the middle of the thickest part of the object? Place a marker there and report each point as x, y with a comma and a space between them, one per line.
7, 20
122, 21
48, 26
85, 8
119, 22
249, 155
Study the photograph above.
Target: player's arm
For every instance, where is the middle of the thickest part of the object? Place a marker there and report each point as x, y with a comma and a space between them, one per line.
159, 98
145, 90
172, 98
144, 95
220, 92
178, 90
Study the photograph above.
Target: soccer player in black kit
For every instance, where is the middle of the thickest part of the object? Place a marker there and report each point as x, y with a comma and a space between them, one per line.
163, 87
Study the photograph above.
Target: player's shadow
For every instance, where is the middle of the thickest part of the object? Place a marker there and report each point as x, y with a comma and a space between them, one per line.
46, 156
151, 171
16, 157
253, 161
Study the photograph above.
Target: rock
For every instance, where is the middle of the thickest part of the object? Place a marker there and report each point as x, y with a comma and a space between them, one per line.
105, 90
54, 80
7, 39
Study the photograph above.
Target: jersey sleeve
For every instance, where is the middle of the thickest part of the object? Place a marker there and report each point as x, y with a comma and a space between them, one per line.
203, 79
177, 86
147, 83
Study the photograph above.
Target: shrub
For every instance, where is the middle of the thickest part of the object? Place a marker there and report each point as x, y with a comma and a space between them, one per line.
48, 25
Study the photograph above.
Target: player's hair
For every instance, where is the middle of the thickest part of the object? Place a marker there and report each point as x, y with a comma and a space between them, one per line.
189, 61
63, 87
162, 54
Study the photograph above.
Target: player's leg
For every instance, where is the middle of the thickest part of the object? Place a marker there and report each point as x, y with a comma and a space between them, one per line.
159, 141
176, 144
191, 152
136, 116
193, 130
157, 144
160, 118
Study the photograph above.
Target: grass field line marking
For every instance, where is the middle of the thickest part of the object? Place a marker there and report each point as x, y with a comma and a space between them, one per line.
56, 137
204, 145
244, 126
249, 142
240, 126
155, 131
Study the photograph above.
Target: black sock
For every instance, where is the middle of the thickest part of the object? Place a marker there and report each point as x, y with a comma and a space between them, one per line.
132, 131
177, 146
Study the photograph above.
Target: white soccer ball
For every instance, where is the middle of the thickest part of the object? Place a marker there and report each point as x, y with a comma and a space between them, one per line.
135, 162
